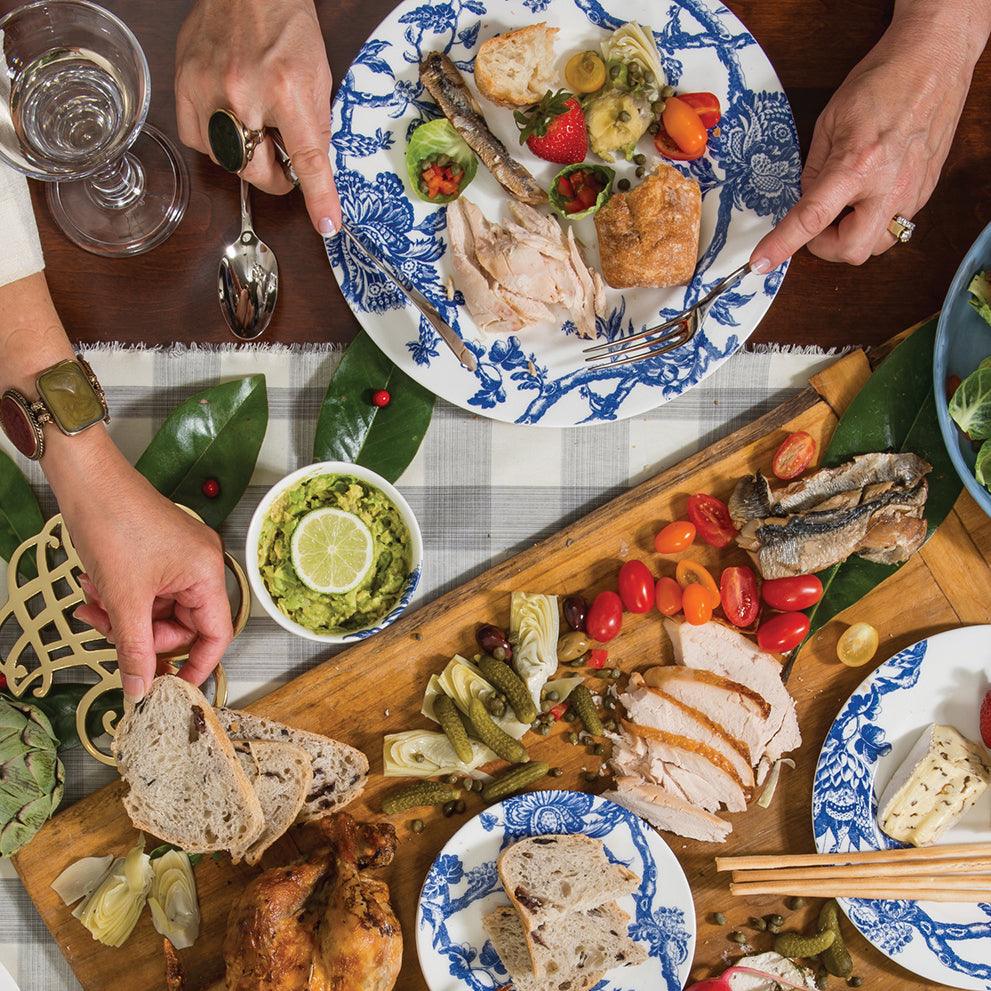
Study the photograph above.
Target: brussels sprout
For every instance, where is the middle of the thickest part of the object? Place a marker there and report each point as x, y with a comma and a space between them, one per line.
970, 406
436, 142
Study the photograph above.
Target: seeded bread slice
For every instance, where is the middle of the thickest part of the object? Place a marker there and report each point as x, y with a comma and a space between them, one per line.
584, 946
281, 774
339, 771
185, 783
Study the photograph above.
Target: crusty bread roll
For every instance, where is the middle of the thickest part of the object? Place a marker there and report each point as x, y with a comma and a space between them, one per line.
516, 69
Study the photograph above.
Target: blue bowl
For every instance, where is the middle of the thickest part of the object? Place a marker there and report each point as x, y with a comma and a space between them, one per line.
963, 341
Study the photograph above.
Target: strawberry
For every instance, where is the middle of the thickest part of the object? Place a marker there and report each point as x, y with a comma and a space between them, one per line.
554, 129
986, 719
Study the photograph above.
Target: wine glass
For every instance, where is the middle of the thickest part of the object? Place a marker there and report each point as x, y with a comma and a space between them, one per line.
74, 95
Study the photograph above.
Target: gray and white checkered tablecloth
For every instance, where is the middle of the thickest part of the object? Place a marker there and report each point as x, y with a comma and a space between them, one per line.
467, 487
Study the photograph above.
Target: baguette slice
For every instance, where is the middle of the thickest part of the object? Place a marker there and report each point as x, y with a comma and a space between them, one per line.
584, 947
281, 774
185, 783
516, 69
339, 771
546, 877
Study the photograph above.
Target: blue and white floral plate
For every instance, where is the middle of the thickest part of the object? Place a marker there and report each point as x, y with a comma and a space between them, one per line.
939, 680
749, 179
462, 887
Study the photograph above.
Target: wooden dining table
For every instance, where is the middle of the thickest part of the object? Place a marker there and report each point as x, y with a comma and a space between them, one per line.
170, 293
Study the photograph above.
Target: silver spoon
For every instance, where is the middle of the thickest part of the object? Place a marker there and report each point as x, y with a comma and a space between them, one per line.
248, 279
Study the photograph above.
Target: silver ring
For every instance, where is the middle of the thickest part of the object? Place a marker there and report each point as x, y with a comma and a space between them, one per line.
901, 228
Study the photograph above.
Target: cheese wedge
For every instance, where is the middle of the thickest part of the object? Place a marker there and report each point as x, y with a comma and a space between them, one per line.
941, 778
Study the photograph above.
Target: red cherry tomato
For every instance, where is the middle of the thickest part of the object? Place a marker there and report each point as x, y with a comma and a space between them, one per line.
783, 632
791, 594
636, 586
689, 572
664, 145
684, 126
738, 594
794, 455
597, 659
668, 596
605, 617
697, 604
706, 105
558, 711
674, 537
711, 518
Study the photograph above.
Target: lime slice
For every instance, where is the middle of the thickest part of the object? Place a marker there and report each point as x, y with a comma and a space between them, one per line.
331, 551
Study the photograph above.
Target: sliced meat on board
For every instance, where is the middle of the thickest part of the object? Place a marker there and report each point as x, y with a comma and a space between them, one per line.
665, 811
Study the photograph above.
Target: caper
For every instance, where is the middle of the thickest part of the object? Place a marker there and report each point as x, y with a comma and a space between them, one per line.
718, 919
794, 902
759, 924
614, 71
544, 729
553, 696
667, 91
449, 808
653, 128
658, 107
575, 611
450, 779
573, 739
736, 936
501, 654
615, 674
648, 76
556, 772
623, 185
640, 172
774, 928
598, 750
640, 159
469, 784
590, 775
855, 981
459, 806
623, 117
775, 919
416, 825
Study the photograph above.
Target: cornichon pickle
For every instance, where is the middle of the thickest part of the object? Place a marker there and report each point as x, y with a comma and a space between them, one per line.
797, 946
503, 677
835, 958
496, 739
514, 780
581, 701
454, 729
418, 794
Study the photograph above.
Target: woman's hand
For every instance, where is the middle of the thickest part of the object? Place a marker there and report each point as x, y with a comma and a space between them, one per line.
881, 142
265, 60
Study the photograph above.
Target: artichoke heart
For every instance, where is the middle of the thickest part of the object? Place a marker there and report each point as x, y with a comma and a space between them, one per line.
175, 911
82, 878
533, 630
422, 753
111, 912
462, 682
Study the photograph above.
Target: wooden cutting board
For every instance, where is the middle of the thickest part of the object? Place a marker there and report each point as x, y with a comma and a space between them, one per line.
376, 687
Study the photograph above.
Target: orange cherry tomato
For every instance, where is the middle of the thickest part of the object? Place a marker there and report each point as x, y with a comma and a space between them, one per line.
697, 603
684, 126
794, 455
668, 595
706, 105
675, 537
690, 573
664, 145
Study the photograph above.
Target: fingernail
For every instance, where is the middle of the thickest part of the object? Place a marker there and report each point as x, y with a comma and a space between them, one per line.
327, 227
134, 687
761, 266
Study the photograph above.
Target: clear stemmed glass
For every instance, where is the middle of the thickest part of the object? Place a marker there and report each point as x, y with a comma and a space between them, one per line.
74, 94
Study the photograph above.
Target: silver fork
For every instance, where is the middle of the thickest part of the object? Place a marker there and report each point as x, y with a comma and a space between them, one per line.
665, 337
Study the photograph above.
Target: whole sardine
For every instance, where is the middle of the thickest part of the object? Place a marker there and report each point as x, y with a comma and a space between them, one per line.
446, 85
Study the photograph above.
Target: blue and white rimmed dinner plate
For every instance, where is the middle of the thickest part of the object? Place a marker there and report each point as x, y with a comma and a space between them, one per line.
462, 887
939, 680
749, 179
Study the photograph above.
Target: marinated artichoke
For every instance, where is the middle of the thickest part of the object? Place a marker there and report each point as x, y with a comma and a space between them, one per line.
31, 775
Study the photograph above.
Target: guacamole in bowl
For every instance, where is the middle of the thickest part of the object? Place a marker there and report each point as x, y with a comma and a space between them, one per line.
394, 555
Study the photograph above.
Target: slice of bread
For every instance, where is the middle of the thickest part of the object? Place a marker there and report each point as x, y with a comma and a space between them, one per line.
584, 946
185, 783
281, 774
516, 69
339, 771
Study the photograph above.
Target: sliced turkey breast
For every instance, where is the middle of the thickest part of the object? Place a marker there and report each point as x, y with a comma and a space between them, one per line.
667, 812
740, 711
655, 707
714, 647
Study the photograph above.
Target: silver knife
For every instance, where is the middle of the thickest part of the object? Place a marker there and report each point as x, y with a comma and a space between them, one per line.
447, 334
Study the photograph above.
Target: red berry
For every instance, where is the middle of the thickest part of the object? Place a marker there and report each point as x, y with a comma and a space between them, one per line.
210, 488
986, 719
555, 129
381, 398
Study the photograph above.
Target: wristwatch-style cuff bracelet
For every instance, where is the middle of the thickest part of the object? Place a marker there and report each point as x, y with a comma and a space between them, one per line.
69, 396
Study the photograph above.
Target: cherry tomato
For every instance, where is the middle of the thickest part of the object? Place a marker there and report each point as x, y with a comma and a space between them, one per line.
597, 659
605, 617
690, 572
675, 537
706, 105
668, 595
794, 455
664, 145
792, 594
636, 586
697, 604
783, 632
857, 645
711, 518
558, 711
684, 126
738, 593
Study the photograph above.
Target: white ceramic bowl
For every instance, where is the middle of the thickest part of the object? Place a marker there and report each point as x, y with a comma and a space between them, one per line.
254, 532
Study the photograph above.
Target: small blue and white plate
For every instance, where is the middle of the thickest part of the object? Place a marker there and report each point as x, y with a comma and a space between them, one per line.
749, 179
939, 680
462, 887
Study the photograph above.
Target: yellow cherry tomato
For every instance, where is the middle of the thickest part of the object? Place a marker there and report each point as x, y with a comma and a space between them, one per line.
857, 645
585, 72
684, 126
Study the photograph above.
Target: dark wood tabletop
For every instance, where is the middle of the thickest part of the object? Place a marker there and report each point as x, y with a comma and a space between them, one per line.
169, 294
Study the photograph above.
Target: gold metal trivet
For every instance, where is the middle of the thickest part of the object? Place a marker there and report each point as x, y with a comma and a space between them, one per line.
41, 609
